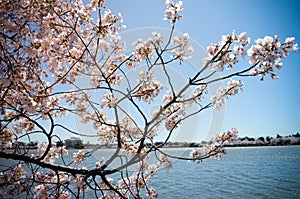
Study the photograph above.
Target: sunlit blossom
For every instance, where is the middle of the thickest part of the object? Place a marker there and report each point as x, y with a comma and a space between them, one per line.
79, 157
171, 13
149, 87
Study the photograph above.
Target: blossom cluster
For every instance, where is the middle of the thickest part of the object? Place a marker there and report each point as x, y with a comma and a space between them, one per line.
220, 55
108, 100
268, 53
54, 53
79, 157
265, 55
182, 48
43, 192
49, 179
232, 88
13, 181
175, 112
171, 13
53, 153
129, 129
138, 181
215, 149
165, 161
149, 87
107, 131
47, 184
199, 92
145, 50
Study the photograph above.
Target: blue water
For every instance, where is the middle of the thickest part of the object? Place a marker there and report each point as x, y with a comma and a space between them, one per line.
254, 172
258, 172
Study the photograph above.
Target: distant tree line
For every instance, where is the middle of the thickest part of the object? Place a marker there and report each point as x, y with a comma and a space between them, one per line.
293, 139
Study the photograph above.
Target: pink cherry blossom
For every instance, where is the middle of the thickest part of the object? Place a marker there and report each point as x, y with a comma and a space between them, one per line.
79, 157
171, 13
232, 88
47, 48
149, 87
183, 49
268, 52
215, 149
220, 55
108, 100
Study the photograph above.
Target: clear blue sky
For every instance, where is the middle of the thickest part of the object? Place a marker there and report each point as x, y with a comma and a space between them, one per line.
264, 107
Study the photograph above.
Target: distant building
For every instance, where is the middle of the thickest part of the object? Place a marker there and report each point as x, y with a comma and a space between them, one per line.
73, 142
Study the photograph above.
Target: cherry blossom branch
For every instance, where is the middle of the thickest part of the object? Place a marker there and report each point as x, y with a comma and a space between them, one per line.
46, 49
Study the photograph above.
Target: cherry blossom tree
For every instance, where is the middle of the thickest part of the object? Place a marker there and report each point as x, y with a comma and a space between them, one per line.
47, 45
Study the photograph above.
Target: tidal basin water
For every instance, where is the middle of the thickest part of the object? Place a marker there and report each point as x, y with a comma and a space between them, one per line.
256, 172
251, 172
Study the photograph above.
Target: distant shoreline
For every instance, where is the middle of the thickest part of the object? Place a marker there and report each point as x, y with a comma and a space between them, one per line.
196, 146
291, 140
173, 147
